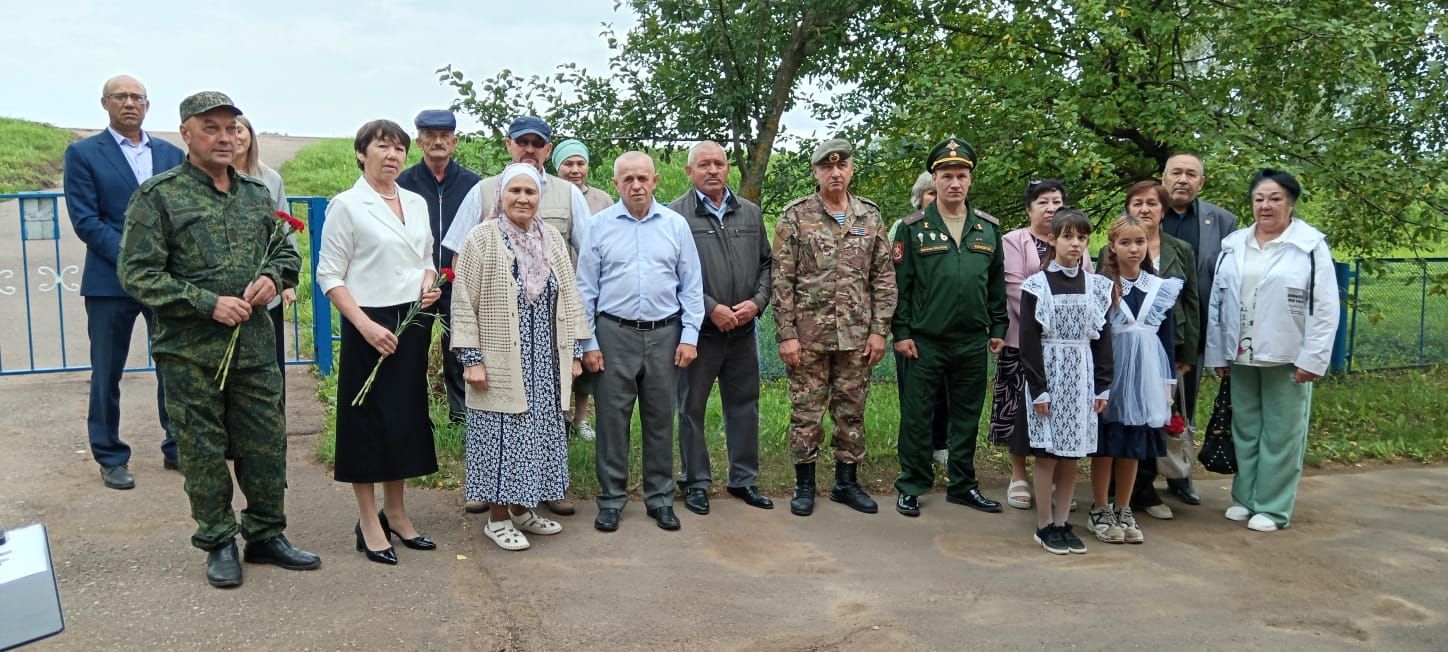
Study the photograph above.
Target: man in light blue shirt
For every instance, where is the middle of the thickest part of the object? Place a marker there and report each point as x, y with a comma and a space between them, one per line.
643, 294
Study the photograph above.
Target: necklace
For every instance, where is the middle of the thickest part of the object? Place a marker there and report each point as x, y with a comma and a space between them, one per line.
389, 197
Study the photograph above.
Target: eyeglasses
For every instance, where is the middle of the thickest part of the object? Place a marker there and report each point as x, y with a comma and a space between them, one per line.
122, 97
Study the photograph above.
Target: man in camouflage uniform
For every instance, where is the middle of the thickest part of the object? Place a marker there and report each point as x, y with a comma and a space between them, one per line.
194, 239
834, 293
950, 271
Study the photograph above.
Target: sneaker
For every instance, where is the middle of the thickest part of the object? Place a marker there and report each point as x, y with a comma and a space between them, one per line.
1130, 531
1074, 544
1050, 538
1238, 513
942, 456
1104, 525
1160, 512
1262, 523
584, 431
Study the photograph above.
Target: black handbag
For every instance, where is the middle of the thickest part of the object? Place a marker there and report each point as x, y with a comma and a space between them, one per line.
1218, 455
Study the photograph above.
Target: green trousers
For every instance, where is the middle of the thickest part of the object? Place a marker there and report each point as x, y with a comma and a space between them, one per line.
245, 419
958, 365
1270, 412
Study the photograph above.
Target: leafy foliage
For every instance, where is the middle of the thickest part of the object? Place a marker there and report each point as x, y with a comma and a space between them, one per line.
1350, 97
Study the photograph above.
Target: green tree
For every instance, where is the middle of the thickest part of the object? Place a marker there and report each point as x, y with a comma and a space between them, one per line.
1348, 96
725, 70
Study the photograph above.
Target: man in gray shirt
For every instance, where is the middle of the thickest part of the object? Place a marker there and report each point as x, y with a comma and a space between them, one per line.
735, 256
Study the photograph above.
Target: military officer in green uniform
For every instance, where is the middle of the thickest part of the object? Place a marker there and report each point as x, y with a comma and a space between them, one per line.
194, 240
952, 310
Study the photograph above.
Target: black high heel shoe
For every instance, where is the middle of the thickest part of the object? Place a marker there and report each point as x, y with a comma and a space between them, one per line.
388, 556
418, 542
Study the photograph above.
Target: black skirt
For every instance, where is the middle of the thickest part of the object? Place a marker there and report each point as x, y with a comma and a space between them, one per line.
389, 436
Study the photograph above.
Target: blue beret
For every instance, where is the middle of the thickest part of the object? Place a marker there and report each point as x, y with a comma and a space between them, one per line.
436, 119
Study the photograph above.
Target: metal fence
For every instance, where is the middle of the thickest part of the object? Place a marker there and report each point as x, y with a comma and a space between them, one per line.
1396, 316
42, 315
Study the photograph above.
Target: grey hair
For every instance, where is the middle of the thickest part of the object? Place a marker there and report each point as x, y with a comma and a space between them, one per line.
701, 145
628, 157
917, 192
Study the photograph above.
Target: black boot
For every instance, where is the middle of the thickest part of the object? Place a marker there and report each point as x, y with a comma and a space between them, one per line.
804, 490
847, 489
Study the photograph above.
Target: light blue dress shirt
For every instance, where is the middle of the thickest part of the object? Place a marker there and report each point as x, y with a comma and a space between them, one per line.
644, 270
138, 155
717, 211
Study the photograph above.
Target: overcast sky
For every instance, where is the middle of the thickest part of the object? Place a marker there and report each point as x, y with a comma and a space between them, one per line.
298, 67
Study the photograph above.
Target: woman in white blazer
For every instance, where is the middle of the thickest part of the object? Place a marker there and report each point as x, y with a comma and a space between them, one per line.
1271, 324
374, 263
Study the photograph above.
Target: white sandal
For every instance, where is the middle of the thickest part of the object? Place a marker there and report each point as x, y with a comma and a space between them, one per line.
505, 535
532, 523
1018, 494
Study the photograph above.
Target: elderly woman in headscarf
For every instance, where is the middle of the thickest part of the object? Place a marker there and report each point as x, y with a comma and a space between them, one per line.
518, 329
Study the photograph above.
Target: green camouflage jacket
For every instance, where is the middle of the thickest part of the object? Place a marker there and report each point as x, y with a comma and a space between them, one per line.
185, 244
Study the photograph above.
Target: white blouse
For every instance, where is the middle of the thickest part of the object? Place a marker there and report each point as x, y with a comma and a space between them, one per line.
380, 259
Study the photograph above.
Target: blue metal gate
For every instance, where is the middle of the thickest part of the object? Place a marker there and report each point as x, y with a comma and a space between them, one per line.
44, 334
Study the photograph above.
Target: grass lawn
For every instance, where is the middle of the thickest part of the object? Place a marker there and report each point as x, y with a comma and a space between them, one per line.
31, 155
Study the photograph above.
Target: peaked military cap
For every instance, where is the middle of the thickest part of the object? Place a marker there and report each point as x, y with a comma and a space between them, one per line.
833, 150
949, 153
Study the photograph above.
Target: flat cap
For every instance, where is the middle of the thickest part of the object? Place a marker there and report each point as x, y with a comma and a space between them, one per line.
833, 150
951, 152
436, 119
205, 101
527, 124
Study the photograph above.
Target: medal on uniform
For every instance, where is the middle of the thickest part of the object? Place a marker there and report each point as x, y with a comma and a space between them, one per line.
978, 227
921, 236
933, 236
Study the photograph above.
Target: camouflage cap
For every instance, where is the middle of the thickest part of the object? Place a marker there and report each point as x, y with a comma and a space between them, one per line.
833, 150
949, 153
206, 101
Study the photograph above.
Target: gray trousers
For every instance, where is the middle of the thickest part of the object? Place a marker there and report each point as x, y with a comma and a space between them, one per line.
637, 366
733, 359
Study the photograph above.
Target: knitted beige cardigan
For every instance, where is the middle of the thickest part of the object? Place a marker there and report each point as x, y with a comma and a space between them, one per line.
485, 316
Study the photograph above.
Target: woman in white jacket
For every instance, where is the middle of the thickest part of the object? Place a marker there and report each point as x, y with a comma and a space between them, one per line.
1272, 320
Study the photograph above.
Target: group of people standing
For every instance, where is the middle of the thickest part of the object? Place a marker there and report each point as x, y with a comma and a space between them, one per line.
558, 292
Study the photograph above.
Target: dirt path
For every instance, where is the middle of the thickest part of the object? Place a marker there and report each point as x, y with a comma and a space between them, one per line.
1361, 569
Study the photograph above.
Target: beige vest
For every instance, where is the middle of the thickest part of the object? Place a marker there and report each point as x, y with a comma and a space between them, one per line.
555, 206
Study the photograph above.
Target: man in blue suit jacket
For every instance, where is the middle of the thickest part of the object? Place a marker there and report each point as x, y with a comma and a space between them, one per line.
101, 173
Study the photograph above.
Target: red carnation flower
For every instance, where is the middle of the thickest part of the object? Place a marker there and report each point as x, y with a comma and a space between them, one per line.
296, 224
1177, 425
449, 274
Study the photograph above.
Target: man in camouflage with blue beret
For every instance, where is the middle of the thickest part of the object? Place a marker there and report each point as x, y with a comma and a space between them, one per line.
194, 239
834, 293
950, 272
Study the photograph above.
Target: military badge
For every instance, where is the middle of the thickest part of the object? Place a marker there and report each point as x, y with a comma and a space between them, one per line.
982, 247
897, 252
860, 230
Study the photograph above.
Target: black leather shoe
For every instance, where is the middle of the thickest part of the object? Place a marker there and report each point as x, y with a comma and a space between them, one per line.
1183, 491
418, 542
387, 555
607, 519
974, 499
664, 516
751, 496
222, 568
277, 550
118, 477
802, 504
908, 505
170, 463
847, 490
697, 500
